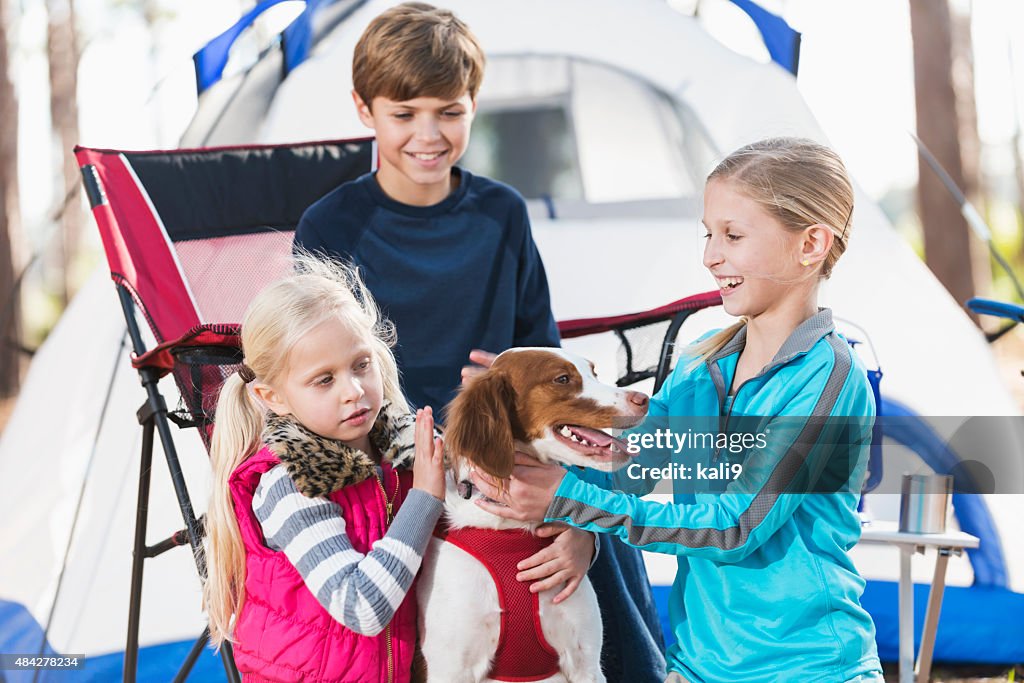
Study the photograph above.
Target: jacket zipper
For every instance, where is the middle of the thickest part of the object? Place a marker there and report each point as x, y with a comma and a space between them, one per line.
723, 426
389, 506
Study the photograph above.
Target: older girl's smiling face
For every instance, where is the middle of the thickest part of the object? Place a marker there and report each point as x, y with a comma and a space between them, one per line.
753, 258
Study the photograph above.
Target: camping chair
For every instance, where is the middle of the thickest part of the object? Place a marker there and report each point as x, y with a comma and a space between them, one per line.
190, 237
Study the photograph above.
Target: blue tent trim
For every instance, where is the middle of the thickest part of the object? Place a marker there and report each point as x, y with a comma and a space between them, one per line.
213, 57
782, 41
980, 624
298, 39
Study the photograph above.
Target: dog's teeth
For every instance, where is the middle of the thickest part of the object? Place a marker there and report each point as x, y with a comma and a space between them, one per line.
564, 431
573, 437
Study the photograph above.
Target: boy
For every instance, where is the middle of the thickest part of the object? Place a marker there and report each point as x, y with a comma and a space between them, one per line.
448, 255
450, 258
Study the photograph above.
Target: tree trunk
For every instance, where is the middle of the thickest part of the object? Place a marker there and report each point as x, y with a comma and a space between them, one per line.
1015, 148
946, 240
970, 142
10, 313
62, 52
1018, 172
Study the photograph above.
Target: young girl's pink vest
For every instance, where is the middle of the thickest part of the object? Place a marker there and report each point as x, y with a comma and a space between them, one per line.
283, 633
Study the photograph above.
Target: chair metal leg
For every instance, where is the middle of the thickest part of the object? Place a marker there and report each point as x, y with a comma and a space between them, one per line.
227, 654
193, 655
131, 649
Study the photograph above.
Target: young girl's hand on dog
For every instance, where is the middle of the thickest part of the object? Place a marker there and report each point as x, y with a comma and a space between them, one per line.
566, 560
428, 468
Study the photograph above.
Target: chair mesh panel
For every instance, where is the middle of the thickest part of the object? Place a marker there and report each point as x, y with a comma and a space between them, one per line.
199, 373
640, 350
193, 235
225, 273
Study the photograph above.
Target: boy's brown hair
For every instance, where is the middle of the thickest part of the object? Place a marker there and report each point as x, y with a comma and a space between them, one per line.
417, 50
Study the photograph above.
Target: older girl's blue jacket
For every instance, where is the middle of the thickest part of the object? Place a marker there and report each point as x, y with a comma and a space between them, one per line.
765, 590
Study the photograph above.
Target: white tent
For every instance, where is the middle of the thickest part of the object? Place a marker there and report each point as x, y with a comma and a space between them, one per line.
648, 100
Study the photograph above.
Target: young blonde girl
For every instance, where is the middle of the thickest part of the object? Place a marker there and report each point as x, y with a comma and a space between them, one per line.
316, 524
765, 590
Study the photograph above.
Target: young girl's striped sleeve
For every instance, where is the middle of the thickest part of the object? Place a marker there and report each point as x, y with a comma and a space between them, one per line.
360, 591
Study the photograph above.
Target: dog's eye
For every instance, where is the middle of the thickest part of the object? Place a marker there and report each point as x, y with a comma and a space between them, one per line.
562, 379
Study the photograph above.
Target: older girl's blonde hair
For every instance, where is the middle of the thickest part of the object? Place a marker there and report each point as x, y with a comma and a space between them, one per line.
277, 318
801, 183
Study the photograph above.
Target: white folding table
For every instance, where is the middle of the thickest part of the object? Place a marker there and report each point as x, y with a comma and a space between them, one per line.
946, 544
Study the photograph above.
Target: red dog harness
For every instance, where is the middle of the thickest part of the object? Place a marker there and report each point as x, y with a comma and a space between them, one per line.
523, 653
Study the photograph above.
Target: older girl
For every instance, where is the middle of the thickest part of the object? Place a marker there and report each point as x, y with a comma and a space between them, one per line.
765, 590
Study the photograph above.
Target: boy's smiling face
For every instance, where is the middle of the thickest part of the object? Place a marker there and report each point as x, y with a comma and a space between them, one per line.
419, 140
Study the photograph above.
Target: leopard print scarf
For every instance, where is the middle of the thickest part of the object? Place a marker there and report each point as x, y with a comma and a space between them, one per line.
320, 466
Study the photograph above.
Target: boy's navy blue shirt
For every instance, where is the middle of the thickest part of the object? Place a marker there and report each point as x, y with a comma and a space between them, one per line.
457, 275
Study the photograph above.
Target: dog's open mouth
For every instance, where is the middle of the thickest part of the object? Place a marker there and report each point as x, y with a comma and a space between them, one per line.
591, 442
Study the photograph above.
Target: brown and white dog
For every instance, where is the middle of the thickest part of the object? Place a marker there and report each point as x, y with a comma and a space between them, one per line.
546, 402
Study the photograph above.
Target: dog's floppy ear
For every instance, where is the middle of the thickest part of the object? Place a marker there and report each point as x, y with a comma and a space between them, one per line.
479, 423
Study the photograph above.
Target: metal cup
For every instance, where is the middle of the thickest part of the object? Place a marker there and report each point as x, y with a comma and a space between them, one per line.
925, 503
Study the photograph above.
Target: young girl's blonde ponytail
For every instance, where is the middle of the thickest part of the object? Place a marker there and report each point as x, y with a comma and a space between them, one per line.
239, 424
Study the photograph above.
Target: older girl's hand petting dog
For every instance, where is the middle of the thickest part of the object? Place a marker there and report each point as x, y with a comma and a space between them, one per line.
528, 492
566, 560
428, 467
